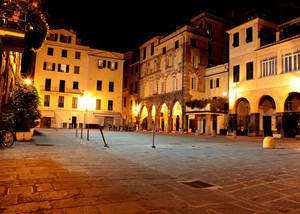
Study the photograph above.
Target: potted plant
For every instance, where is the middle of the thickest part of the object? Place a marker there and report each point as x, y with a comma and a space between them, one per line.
23, 109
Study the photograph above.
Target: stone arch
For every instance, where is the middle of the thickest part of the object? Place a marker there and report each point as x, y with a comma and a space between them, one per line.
267, 117
162, 117
144, 118
242, 109
176, 116
291, 116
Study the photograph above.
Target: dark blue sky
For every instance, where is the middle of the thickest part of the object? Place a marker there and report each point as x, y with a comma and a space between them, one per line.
124, 25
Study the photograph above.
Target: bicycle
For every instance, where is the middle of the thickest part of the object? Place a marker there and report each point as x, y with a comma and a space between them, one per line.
7, 137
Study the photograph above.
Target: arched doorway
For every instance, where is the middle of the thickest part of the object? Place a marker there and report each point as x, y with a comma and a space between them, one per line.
163, 125
243, 114
291, 117
144, 118
177, 116
267, 110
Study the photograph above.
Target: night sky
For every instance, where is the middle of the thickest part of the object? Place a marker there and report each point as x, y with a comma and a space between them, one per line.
124, 25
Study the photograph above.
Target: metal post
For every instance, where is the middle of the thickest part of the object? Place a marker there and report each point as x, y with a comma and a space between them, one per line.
105, 144
76, 131
81, 130
88, 132
153, 143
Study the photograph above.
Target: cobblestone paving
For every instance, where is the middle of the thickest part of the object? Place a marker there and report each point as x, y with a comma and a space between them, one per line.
59, 173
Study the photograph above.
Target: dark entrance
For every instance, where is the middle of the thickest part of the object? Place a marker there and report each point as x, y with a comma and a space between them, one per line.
46, 122
204, 124
177, 123
214, 118
74, 122
267, 125
192, 125
163, 125
290, 124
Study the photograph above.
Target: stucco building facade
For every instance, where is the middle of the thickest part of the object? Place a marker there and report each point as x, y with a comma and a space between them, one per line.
78, 85
172, 70
264, 78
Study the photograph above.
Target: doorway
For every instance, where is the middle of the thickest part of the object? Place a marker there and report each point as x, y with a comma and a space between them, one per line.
267, 125
74, 122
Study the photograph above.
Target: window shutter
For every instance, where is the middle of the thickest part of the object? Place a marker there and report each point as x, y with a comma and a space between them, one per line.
58, 67
70, 39
45, 65
116, 65
67, 71
104, 63
55, 37
53, 66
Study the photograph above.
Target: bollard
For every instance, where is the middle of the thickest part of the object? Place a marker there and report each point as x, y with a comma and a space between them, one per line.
234, 134
105, 144
268, 143
88, 133
153, 143
197, 132
81, 132
76, 132
213, 133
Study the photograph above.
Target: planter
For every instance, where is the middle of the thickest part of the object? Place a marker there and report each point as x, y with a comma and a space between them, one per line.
23, 136
278, 136
19, 136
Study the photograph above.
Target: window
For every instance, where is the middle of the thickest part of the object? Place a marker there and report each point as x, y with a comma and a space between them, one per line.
131, 88
49, 66
211, 84
64, 53
46, 100
98, 104
249, 34
75, 85
236, 40
124, 102
76, 69
65, 39
125, 82
217, 83
193, 42
209, 49
63, 68
175, 84
52, 37
108, 64
236, 73
101, 63
163, 87
249, 71
164, 50
194, 83
136, 87
74, 102
62, 85
144, 53
209, 29
48, 85
176, 44
268, 67
61, 101
110, 105
111, 87
77, 55
50, 52
114, 65
195, 61
99, 85
152, 48
291, 62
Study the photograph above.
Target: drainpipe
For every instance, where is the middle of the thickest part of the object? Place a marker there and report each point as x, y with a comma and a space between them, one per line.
183, 125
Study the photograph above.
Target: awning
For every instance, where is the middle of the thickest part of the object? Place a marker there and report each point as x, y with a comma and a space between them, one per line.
108, 114
47, 113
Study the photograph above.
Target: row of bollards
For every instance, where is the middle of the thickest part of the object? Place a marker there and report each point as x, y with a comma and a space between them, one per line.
88, 134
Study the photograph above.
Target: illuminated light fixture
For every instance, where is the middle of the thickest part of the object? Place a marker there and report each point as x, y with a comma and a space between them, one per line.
28, 81
224, 93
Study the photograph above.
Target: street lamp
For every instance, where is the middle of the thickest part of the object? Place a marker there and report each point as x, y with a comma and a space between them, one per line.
28, 81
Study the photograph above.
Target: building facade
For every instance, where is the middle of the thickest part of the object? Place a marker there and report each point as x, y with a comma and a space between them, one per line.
78, 85
208, 119
172, 70
264, 78
130, 105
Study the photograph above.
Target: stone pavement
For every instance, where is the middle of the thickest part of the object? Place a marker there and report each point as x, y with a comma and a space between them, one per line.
59, 173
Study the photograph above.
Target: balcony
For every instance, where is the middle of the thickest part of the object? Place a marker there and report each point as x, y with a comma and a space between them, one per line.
62, 90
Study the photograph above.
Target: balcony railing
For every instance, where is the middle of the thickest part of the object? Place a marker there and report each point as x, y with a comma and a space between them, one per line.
62, 90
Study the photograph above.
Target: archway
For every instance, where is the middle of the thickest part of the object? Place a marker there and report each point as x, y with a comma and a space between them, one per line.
177, 116
291, 117
144, 118
243, 113
163, 125
267, 118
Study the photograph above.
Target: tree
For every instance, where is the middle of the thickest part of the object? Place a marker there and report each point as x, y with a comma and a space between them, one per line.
37, 28
23, 107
